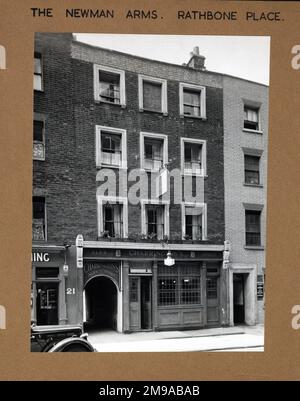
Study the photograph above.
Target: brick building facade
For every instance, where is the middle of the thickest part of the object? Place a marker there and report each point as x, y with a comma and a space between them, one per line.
100, 258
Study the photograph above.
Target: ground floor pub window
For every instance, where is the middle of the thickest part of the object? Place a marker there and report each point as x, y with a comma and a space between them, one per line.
179, 284
47, 287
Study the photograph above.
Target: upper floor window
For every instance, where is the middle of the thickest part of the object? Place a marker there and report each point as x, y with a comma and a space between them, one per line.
111, 147
192, 100
252, 169
155, 219
154, 151
113, 220
109, 85
194, 221
38, 140
153, 94
251, 118
253, 232
112, 217
193, 155
38, 72
38, 218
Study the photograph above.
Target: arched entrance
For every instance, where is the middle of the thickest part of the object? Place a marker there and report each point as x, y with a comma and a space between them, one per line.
101, 304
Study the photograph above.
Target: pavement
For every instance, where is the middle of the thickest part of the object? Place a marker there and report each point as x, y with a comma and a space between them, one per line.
221, 339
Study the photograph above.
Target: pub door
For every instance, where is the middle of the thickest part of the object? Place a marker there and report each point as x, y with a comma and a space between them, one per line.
213, 299
47, 303
238, 299
140, 303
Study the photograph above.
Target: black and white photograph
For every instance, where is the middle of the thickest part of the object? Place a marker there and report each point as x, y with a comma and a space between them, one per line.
149, 192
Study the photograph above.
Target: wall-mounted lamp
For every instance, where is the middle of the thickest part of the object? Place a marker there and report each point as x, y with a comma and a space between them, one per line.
169, 261
66, 266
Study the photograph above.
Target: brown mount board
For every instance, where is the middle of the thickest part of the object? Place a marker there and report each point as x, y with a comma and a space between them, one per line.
281, 359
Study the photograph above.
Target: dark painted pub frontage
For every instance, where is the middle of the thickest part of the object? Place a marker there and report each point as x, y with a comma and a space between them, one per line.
127, 287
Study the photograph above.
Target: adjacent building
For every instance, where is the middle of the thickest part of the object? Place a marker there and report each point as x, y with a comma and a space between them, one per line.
137, 174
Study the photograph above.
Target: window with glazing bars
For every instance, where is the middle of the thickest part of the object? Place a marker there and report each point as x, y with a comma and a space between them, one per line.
113, 222
38, 140
152, 96
192, 102
38, 73
155, 221
179, 285
109, 87
251, 118
251, 169
192, 157
253, 235
38, 219
111, 153
193, 223
153, 153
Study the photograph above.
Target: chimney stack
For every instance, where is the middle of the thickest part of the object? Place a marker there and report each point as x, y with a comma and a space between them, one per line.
196, 60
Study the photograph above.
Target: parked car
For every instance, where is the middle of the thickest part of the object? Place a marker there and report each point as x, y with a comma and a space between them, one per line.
59, 338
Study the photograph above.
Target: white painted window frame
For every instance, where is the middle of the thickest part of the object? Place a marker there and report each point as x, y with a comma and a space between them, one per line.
42, 69
144, 135
203, 206
46, 217
197, 142
202, 92
41, 118
123, 133
164, 94
166, 205
112, 199
250, 106
121, 73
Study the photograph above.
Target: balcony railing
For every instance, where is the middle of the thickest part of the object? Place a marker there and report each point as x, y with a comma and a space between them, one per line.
38, 230
111, 159
153, 164
38, 151
110, 95
193, 168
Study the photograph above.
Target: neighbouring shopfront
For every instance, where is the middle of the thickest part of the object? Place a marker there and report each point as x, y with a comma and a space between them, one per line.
127, 287
54, 281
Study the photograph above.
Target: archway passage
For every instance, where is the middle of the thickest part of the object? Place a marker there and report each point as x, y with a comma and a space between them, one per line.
101, 304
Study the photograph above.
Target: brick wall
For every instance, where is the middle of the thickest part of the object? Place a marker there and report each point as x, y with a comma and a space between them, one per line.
69, 172
237, 91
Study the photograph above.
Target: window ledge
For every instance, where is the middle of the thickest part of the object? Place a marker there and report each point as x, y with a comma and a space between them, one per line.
194, 174
164, 113
254, 248
246, 184
38, 160
193, 117
39, 90
110, 166
123, 106
252, 131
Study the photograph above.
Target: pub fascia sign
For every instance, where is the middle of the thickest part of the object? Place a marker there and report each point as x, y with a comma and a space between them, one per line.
40, 257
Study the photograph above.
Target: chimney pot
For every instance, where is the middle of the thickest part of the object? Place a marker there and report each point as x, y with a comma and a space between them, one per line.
196, 51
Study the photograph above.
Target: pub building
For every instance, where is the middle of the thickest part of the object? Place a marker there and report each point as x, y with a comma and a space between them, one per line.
106, 262
133, 287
